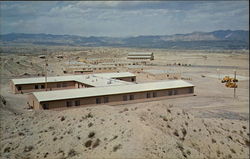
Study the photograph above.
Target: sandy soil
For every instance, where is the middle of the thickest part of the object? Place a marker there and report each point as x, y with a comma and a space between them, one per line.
212, 124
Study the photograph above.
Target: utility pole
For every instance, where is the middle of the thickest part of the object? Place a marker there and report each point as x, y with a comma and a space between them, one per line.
45, 67
218, 71
234, 83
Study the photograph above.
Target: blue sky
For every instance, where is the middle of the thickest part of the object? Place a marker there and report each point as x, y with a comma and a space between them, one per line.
117, 18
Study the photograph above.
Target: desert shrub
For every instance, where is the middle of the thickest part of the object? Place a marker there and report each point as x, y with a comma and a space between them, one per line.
96, 143
176, 133
213, 141
21, 134
232, 150
247, 142
51, 128
230, 137
28, 148
180, 146
117, 147
244, 127
91, 134
45, 155
169, 110
7, 149
72, 153
184, 131
78, 137
62, 118
165, 118
90, 124
55, 138
88, 143
168, 126
186, 123
89, 115
188, 152
114, 137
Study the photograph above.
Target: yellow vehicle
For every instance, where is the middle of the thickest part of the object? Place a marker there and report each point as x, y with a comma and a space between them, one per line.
228, 79
231, 85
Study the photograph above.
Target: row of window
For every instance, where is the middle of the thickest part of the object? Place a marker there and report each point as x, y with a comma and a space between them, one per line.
41, 86
59, 85
99, 100
110, 68
72, 103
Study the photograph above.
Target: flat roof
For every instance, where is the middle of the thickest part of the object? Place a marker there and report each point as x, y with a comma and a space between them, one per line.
91, 66
129, 56
102, 91
116, 75
140, 53
87, 79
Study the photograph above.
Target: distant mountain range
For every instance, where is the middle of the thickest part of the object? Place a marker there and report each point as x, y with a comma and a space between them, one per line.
220, 39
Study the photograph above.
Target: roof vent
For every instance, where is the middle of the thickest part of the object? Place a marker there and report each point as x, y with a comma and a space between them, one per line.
109, 82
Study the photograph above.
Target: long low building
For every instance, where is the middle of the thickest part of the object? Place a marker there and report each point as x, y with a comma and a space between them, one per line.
141, 55
112, 94
35, 84
89, 69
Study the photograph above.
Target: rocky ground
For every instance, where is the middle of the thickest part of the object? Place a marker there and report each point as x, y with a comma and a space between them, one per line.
211, 124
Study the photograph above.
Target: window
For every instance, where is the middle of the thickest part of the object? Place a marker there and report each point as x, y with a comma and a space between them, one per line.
98, 100
77, 102
125, 98
170, 92
175, 92
148, 95
154, 94
191, 90
106, 99
64, 84
131, 97
42, 86
133, 79
45, 106
19, 88
36, 86
58, 85
69, 103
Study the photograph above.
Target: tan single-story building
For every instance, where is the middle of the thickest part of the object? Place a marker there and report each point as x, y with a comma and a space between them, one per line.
116, 94
89, 69
141, 55
36, 84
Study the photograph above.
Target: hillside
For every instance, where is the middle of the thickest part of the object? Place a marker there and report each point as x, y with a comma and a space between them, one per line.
221, 39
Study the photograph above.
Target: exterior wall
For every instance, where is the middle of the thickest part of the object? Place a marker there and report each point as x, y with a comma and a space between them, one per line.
33, 102
118, 99
127, 79
137, 58
90, 70
26, 88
